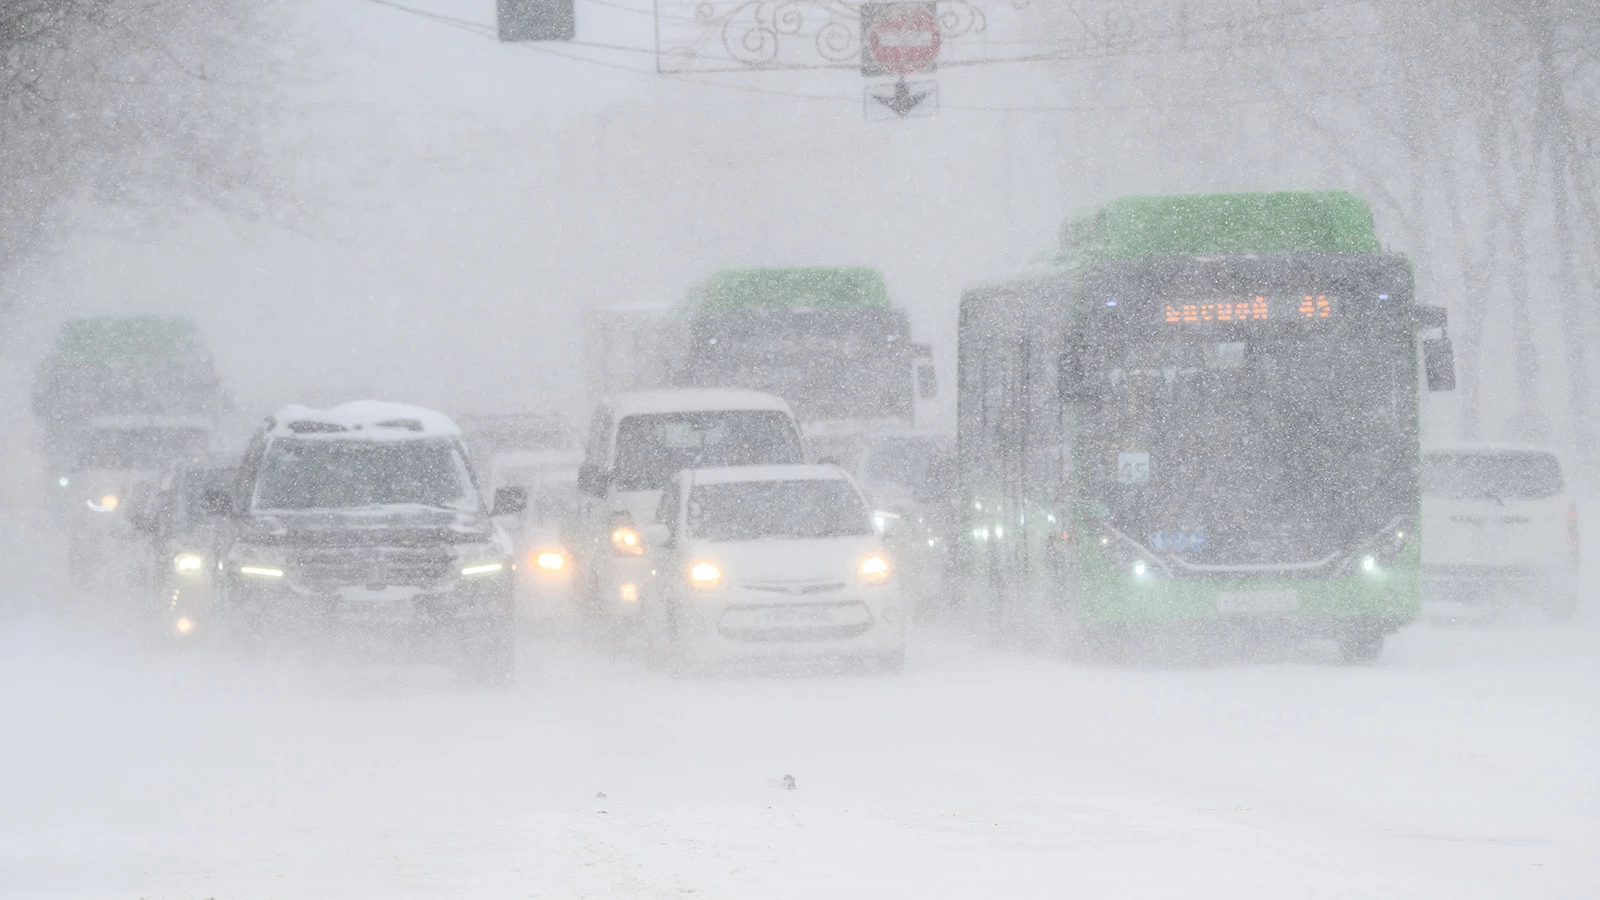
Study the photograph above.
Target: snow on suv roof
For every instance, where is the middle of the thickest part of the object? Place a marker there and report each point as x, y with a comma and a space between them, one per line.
365, 419
730, 474
695, 400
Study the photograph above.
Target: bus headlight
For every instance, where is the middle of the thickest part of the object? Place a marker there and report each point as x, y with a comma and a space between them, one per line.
1381, 550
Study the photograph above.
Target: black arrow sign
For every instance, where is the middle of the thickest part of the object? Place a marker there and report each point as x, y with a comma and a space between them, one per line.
903, 101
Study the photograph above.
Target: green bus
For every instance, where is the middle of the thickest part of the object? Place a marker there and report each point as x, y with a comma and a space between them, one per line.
1201, 420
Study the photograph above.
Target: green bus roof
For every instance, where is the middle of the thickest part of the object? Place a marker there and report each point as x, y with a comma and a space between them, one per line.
1224, 224
812, 287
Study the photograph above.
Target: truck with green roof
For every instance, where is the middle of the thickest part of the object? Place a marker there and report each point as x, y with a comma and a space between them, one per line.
126, 392
826, 339
1200, 422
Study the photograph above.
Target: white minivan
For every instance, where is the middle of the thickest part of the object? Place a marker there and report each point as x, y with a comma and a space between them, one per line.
637, 443
1499, 529
770, 561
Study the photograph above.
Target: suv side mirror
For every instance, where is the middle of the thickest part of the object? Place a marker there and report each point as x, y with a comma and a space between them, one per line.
509, 501
216, 502
1439, 364
593, 480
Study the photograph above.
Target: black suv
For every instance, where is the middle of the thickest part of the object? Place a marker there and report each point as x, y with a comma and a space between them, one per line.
363, 525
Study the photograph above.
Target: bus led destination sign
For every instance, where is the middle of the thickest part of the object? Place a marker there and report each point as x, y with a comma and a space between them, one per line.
1315, 307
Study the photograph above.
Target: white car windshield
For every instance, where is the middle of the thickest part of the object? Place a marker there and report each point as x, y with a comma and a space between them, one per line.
324, 474
754, 510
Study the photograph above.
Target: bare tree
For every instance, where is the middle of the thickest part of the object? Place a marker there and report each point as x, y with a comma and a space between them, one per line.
143, 104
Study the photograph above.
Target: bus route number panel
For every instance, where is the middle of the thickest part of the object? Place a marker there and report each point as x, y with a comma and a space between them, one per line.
1306, 307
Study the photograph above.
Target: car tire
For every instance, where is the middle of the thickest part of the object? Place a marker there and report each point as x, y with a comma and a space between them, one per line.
1361, 646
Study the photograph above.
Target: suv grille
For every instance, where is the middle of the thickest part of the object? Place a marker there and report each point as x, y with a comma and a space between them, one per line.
371, 567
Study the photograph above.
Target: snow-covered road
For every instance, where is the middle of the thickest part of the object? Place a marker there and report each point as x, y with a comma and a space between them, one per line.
1463, 765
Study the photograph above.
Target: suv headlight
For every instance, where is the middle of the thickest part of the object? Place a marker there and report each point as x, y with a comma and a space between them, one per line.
483, 568
255, 563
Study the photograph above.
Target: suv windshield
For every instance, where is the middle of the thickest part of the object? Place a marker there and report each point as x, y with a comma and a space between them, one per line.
1492, 476
139, 448
752, 510
653, 448
343, 474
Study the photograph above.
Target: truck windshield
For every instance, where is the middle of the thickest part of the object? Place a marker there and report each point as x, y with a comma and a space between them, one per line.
652, 448
828, 364
755, 510
139, 448
1271, 448
1490, 476
341, 474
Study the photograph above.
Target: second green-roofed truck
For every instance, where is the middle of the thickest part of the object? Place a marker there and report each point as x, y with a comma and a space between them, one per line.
1202, 421
826, 339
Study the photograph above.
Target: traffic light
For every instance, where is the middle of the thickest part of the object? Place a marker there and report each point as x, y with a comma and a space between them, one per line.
535, 20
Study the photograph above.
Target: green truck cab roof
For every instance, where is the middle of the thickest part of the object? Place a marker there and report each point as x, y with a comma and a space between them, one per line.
815, 287
110, 339
1224, 225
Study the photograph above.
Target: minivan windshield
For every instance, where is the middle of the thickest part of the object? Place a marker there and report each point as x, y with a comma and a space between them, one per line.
139, 448
652, 448
1523, 475
756, 510
341, 474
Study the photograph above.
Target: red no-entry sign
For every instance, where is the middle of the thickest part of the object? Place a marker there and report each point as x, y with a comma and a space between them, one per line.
900, 38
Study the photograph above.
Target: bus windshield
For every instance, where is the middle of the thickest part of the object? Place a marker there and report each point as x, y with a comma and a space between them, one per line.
1277, 447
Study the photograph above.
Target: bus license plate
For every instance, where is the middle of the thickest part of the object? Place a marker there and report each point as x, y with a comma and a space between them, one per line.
1258, 601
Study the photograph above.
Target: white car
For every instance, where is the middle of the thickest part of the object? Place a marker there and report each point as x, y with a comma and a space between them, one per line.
1499, 529
770, 561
